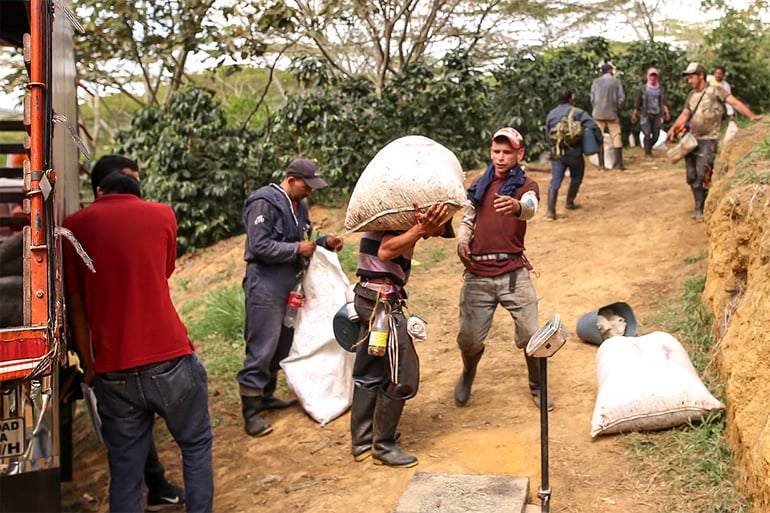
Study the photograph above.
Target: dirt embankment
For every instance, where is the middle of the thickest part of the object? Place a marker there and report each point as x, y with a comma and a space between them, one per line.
738, 292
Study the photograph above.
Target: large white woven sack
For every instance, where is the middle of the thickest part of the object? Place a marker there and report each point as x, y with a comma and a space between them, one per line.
647, 383
609, 153
318, 370
412, 169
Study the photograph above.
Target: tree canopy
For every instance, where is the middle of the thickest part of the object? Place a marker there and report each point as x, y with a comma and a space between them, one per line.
335, 81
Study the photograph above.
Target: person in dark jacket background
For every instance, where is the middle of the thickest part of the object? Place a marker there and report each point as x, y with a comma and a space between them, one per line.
651, 101
277, 224
570, 157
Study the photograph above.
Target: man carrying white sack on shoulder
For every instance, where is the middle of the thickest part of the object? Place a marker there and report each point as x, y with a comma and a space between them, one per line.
386, 371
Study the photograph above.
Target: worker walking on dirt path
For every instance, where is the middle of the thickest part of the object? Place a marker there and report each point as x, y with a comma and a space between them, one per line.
490, 244
651, 102
568, 157
132, 344
277, 225
383, 382
607, 98
704, 109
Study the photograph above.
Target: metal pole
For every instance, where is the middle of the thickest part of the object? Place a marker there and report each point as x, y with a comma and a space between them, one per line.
544, 492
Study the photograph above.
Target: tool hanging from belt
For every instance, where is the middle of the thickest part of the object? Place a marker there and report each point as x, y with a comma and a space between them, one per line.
499, 257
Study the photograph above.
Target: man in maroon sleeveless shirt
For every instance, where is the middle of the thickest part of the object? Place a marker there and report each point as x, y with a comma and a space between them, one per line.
490, 243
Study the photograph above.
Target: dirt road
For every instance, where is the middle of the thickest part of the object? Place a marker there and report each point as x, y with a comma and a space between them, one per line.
632, 241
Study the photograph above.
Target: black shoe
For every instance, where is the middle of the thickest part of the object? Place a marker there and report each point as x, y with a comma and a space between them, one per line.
270, 402
385, 450
536, 400
253, 423
463, 387
171, 496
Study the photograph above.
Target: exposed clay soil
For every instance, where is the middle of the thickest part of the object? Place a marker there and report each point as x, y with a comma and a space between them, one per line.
632, 241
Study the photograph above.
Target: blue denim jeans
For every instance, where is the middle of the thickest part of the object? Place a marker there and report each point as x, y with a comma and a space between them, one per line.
576, 166
128, 400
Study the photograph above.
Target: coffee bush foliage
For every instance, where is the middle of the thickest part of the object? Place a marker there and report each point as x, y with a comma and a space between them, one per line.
193, 160
190, 159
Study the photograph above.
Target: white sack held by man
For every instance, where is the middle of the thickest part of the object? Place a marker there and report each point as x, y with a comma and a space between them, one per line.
408, 171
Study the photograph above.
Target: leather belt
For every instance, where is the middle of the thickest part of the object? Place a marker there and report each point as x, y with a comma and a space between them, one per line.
499, 257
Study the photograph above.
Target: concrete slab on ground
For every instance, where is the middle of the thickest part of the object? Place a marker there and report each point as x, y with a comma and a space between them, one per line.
435, 492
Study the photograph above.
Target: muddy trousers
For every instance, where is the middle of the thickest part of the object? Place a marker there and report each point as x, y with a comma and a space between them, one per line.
576, 166
480, 297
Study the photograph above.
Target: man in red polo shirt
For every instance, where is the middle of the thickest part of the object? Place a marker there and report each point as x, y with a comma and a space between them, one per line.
132, 343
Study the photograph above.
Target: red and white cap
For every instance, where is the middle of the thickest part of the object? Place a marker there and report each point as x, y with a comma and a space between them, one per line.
514, 137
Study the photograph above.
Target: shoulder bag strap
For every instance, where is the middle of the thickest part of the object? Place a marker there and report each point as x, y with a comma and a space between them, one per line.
699, 100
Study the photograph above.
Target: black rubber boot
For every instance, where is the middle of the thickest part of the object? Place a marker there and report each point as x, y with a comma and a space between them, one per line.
571, 195
647, 150
253, 423
601, 157
533, 372
618, 159
463, 387
385, 451
552, 196
269, 402
699, 194
361, 421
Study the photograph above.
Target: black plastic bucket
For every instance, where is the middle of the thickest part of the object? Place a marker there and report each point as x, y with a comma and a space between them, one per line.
588, 329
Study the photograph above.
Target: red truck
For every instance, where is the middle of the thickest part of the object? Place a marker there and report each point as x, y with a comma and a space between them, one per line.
38, 188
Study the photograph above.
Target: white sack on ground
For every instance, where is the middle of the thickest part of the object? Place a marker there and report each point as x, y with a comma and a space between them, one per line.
660, 144
317, 369
609, 153
732, 129
412, 169
647, 383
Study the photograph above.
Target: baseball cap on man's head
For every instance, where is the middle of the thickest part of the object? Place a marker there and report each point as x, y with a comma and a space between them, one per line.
514, 137
652, 71
607, 67
307, 171
694, 68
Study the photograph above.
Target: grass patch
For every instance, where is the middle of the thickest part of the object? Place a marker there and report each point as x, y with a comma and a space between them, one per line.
219, 330
348, 257
434, 254
695, 459
218, 334
695, 259
748, 173
224, 314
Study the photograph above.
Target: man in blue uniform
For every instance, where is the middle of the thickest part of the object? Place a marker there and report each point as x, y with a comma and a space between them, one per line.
277, 225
